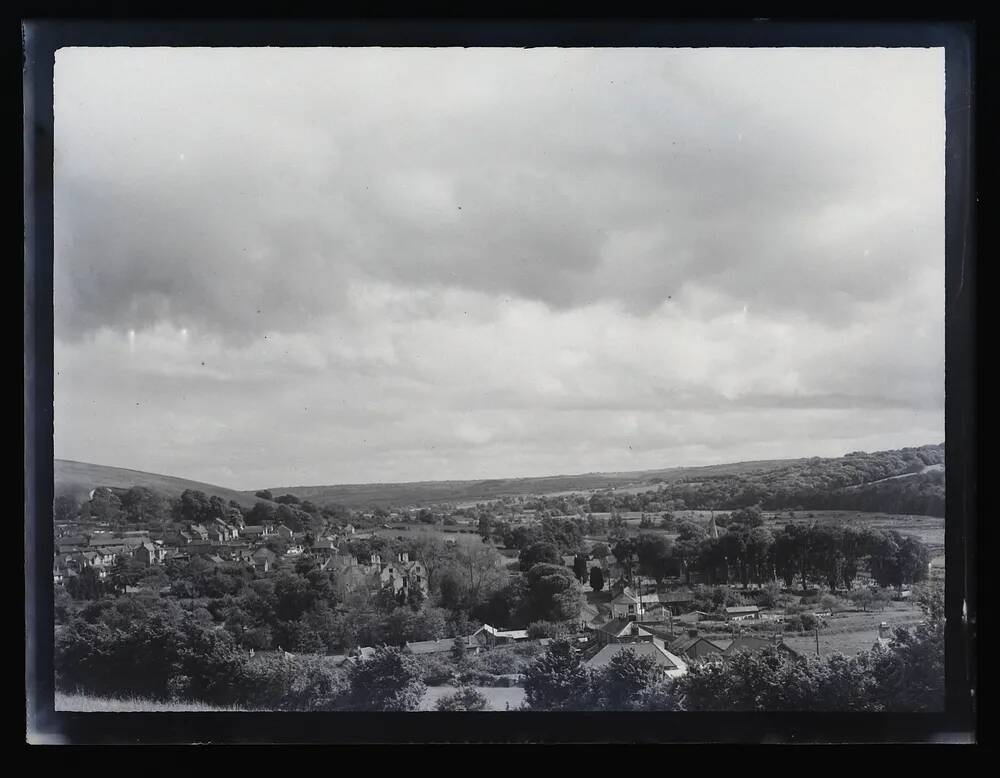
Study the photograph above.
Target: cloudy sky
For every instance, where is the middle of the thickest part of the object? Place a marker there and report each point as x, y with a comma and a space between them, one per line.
304, 266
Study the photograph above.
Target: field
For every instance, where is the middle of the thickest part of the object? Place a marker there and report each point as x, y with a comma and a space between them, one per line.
76, 479
410, 531
498, 697
86, 704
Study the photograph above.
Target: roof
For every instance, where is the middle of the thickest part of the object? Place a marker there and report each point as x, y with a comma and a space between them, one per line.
681, 645
625, 597
661, 656
514, 634
754, 643
743, 609
615, 627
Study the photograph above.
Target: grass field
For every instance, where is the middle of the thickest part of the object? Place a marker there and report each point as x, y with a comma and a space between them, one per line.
436, 532
498, 697
84, 703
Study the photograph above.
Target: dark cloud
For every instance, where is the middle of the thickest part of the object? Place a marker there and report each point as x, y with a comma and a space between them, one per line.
459, 249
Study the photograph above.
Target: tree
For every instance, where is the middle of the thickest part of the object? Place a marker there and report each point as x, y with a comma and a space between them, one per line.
85, 586
552, 594
558, 680
600, 551
626, 678
465, 698
105, 506
264, 494
580, 568
65, 509
653, 553
388, 681
142, 505
458, 649
596, 579
482, 570
750, 517
539, 553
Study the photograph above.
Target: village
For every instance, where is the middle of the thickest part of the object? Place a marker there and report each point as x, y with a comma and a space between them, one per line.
668, 622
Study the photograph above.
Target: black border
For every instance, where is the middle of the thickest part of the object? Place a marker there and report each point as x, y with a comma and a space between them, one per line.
959, 38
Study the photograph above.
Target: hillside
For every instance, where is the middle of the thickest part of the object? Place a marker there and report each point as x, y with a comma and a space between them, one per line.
433, 492
76, 479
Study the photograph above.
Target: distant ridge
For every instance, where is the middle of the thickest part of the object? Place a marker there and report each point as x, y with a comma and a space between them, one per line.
430, 492
76, 479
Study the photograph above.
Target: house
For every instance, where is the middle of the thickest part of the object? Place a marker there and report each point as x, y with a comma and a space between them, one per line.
693, 617
756, 643
742, 612
490, 636
198, 531
264, 559
694, 646
627, 605
149, 553
295, 549
324, 548
620, 630
349, 529
284, 532
672, 664
404, 575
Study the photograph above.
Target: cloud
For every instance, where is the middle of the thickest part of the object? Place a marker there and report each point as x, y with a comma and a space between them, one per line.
371, 264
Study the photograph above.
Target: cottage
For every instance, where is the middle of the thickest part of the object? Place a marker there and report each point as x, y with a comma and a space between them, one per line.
627, 605
620, 630
742, 613
198, 531
284, 532
149, 553
756, 643
490, 636
695, 646
324, 548
672, 664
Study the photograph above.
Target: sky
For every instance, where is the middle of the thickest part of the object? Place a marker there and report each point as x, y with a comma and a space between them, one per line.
281, 267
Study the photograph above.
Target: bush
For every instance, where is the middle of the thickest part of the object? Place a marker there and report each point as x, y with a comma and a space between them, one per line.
279, 682
436, 669
497, 662
464, 699
546, 629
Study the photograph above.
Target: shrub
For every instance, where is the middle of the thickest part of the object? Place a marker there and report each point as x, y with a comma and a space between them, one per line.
436, 670
464, 699
496, 662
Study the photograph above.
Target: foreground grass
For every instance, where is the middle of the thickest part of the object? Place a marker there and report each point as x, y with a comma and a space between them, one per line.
498, 698
84, 703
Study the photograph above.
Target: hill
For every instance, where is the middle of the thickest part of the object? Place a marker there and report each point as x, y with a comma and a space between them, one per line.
439, 492
76, 479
